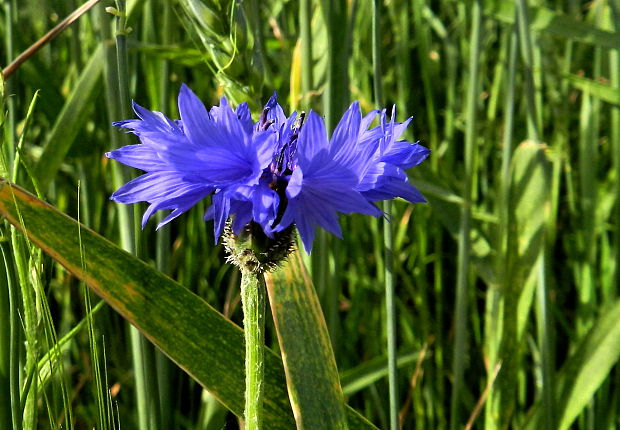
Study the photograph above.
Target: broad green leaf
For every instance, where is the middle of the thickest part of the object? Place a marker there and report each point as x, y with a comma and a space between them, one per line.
70, 120
529, 206
605, 92
528, 211
309, 363
550, 22
199, 339
585, 371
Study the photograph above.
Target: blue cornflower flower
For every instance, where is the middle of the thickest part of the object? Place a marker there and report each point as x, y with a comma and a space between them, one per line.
276, 173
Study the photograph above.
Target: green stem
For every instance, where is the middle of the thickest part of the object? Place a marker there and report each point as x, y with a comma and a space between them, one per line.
459, 356
305, 24
30, 324
253, 302
9, 130
15, 334
615, 137
164, 367
335, 100
388, 235
527, 56
5, 350
544, 341
376, 53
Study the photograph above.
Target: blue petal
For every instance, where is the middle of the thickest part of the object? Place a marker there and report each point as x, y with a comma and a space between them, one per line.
317, 194
344, 138
385, 182
218, 212
243, 214
243, 113
149, 121
275, 113
180, 200
312, 139
307, 216
405, 154
142, 157
265, 204
155, 185
395, 189
196, 121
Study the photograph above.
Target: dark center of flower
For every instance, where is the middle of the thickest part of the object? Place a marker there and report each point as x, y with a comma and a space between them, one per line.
285, 156
276, 176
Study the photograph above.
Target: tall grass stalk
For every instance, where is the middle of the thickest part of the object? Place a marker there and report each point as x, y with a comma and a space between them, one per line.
305, 24
30, 324
388, 235
5, 350
165, 368
545, 345
421, 37
10, 15
335, 100
615, 138
464, 232
495, 296
117, 84
30, 297
527, 58
14, 336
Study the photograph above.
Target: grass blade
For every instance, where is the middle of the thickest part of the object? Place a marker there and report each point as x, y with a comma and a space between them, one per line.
464, 235
554, 23
70, 120
312, 377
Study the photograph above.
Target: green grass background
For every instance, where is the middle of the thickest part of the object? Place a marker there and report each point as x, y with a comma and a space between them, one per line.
506, 283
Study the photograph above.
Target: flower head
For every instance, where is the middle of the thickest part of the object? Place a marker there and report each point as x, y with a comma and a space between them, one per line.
275, 173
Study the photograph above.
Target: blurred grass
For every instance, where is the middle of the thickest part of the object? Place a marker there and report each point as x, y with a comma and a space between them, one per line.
542, 305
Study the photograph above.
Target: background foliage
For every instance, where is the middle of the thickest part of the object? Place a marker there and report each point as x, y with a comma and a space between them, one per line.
506, 283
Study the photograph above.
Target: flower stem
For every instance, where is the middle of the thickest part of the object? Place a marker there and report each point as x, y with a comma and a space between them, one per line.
253, 301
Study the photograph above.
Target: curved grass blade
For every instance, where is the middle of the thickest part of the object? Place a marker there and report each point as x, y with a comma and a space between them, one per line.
311, 372
194, 335
555, 23
586, 370
605, 92
360, 377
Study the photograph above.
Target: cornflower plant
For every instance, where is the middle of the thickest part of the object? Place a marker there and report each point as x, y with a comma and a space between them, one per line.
265, 179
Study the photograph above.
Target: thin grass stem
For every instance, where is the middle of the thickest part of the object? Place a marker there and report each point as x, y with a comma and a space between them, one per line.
305, 23
335, 101
423, 50
464, 240
527, 58
544, 342
495, 296
615, 139
165, 367
10, 8
388, 235
14, 337
59, 28
30, 323
5, 351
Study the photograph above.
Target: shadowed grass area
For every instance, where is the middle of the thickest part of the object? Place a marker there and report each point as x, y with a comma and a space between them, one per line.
513, 265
